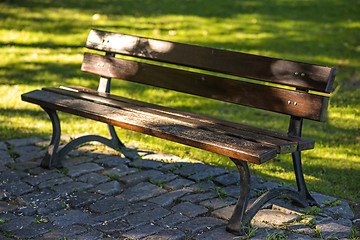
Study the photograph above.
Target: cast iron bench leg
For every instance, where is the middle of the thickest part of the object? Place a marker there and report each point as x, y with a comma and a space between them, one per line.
241, 218
300, 181
53, 157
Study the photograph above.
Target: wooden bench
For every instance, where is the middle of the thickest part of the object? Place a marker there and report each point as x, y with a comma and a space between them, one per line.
239, 142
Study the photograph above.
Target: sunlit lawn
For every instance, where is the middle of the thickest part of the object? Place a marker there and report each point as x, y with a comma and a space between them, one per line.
42, 42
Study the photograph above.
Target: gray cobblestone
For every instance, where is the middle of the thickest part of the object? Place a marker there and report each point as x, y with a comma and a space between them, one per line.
179, 183
54, 182
24, 141
152, 204
81, 199
197, 224
167, 234
189, 209
27, 153
81, 169
142, 191
93, 178
5, 158
147, 217
108, 205
142, 231
167, 199
112, 161
70, 187
64, 233
68, 217
109, 188
139, 177
172, 220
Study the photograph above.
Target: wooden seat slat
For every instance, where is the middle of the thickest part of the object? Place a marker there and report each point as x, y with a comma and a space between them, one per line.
291, 73
295, 103
283, 145
158, 127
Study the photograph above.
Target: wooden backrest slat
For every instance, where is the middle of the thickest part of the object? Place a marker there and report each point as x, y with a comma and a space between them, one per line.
291, 73
295, 103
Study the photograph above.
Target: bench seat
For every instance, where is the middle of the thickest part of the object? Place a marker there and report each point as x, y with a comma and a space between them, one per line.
227, 138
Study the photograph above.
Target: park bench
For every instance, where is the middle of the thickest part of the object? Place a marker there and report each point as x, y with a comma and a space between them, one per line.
206, 72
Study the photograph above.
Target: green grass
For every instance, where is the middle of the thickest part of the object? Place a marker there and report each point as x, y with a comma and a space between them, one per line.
42, 41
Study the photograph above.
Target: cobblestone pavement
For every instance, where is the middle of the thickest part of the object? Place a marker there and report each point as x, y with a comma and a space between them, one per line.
100, 194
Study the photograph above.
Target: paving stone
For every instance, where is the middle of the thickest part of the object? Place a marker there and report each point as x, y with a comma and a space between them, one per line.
189, 209
112, 161
167, 234
216, 203
50, 206
296, 236
105, 218
64, 233
168, 199
32, 230
147, 216
198, 197
24, 166
3, 146
5, 158
274, 217
93, 178
173, 166
335, 229
3, 168
109, 188
93, 235
113, 227
143, 206
28, 153
38, 196
179, 183
81, 199
172, 220
11, 176
232, 190
24, 141
17, 188
216, 234
6, 207
146, 164
164, 178
142, 231
120, 171
36, 180
139, 177
203, 186
68, 217
201, 223
228, 179
39, 171
192, 169
70, 187
108, 205
16, 223
342, 211
81, 169
208, 173
71, 162
142, 191
264, 186
54, 182
302, 229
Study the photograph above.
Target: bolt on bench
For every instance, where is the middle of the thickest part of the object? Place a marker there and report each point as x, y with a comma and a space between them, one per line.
239, 142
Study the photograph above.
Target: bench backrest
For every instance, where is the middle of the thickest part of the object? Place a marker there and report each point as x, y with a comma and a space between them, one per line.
297, 102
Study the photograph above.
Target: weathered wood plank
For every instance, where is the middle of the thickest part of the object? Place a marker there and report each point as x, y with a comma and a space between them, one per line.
291, 73
291, 102
283, 145
163, 128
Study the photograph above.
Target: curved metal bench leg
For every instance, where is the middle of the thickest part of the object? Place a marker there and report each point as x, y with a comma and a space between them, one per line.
300, 181
115, 139
50, 159
239, 220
